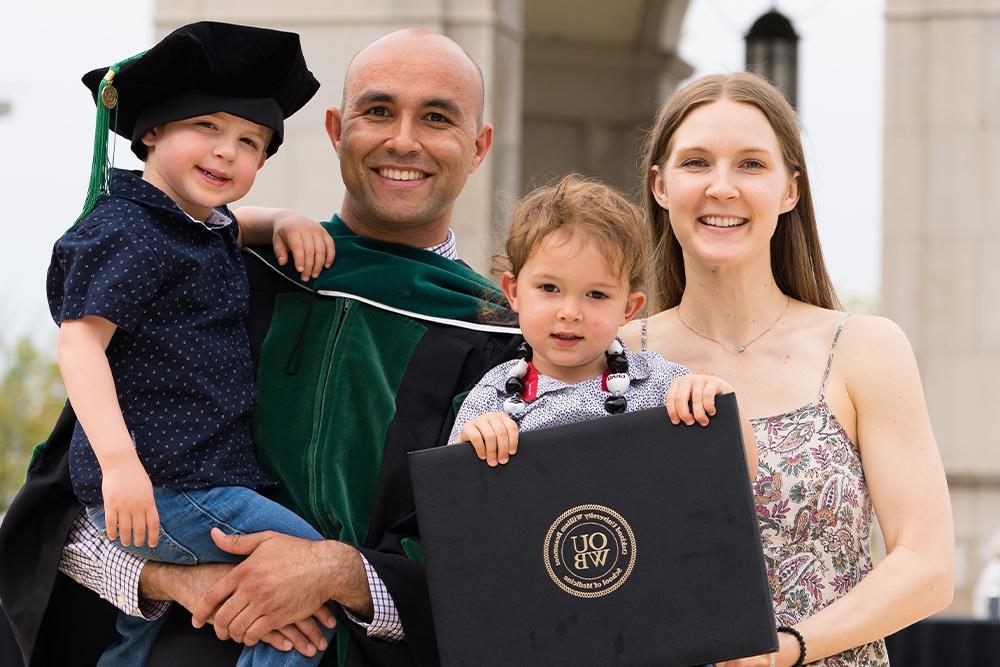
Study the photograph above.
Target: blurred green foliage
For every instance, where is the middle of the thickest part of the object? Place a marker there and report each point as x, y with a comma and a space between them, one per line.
31, 396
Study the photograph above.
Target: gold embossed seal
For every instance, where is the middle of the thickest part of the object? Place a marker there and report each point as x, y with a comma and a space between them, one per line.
589, 551
109, 94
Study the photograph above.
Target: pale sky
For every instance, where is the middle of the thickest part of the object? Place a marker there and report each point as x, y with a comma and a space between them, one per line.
47, 137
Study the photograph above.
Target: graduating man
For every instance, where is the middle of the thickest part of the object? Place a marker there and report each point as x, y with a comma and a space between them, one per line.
353, 372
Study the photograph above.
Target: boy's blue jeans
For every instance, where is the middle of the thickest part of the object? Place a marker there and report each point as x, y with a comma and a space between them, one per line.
186, 517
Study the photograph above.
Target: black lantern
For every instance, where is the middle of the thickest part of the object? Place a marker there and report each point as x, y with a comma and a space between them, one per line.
773, 52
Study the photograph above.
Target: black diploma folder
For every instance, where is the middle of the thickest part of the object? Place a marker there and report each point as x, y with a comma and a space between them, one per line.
619, 541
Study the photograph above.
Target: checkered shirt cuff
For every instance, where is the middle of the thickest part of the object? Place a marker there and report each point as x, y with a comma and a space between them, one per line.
91, 560
385, 624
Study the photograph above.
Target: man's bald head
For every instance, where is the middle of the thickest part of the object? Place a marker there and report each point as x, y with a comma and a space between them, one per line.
409, 133
429, 48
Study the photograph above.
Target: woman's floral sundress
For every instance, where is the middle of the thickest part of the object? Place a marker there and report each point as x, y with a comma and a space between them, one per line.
815, 515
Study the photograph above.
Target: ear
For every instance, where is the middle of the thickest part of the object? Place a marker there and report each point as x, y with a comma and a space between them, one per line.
151, 136
263, 159
483, 142
633, 306
791, 197
658, 187
334, 127
508, 283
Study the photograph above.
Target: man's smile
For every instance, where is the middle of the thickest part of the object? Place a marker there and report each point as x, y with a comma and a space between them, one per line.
401, 174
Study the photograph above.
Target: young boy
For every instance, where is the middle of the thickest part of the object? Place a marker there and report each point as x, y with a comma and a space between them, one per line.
577, 253
150, 292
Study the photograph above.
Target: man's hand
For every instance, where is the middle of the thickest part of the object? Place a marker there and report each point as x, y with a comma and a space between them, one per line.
185, 584
306, 636
283, 580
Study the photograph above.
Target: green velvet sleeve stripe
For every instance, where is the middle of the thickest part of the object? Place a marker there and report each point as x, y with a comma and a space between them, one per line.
414, 549
405, 278
456, 403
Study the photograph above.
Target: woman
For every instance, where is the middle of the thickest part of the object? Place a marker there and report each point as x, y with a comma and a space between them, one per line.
836, 401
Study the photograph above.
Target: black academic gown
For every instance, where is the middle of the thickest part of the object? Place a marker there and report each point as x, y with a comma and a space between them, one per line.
58, 622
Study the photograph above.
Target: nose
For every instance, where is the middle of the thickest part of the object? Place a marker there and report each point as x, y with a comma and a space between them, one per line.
569, 310
403, 140
722, 185
225, 149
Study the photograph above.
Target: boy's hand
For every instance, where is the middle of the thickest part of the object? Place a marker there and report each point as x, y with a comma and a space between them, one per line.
494, 436
129, 508
691, 398
310, 245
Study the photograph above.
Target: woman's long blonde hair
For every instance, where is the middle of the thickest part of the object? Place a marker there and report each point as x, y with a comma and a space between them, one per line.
796, 257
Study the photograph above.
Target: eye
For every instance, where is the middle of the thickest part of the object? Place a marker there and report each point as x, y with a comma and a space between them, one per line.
250, 142
753, 164
381, 112
597, 294
207, 124
695, 163
436, 117
548, 287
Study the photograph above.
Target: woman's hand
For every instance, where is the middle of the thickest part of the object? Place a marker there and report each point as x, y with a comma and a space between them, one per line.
787, 654
766, 660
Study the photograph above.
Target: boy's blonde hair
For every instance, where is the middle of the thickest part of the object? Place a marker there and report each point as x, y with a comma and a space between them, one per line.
577, 204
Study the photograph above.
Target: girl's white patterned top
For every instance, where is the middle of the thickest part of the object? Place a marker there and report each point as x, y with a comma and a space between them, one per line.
559, 403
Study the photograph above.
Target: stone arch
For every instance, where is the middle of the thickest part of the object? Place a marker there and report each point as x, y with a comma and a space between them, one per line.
594, 75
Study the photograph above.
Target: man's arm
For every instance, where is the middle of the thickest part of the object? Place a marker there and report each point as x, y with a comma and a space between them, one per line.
282, 579
384, 624
144, 589
90, 559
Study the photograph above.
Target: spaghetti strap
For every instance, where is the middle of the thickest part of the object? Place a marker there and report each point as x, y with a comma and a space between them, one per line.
644, 332
829, 360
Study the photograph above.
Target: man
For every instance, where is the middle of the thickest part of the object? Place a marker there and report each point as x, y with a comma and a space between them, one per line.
351, 376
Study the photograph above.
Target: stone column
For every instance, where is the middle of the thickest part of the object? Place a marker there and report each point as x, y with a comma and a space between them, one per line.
305, 173
941, 263
595, 74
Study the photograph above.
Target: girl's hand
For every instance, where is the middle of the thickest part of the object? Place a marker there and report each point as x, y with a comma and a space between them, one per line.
129, 509
494, 436
311, 246
691, 398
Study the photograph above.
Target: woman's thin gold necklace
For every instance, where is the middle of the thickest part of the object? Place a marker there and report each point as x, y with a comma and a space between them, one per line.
739, 347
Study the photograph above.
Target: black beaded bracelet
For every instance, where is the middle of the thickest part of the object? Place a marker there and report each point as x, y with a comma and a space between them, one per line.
802, 643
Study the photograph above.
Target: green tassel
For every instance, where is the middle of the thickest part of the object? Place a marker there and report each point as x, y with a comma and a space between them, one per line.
107, 99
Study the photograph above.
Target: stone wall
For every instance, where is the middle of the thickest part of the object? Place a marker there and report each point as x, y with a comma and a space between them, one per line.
941, 262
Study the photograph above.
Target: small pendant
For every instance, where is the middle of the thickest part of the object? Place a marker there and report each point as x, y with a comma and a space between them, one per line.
109, 96
741, 348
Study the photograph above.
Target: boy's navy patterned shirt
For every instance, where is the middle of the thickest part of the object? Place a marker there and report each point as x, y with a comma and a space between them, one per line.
177, 290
